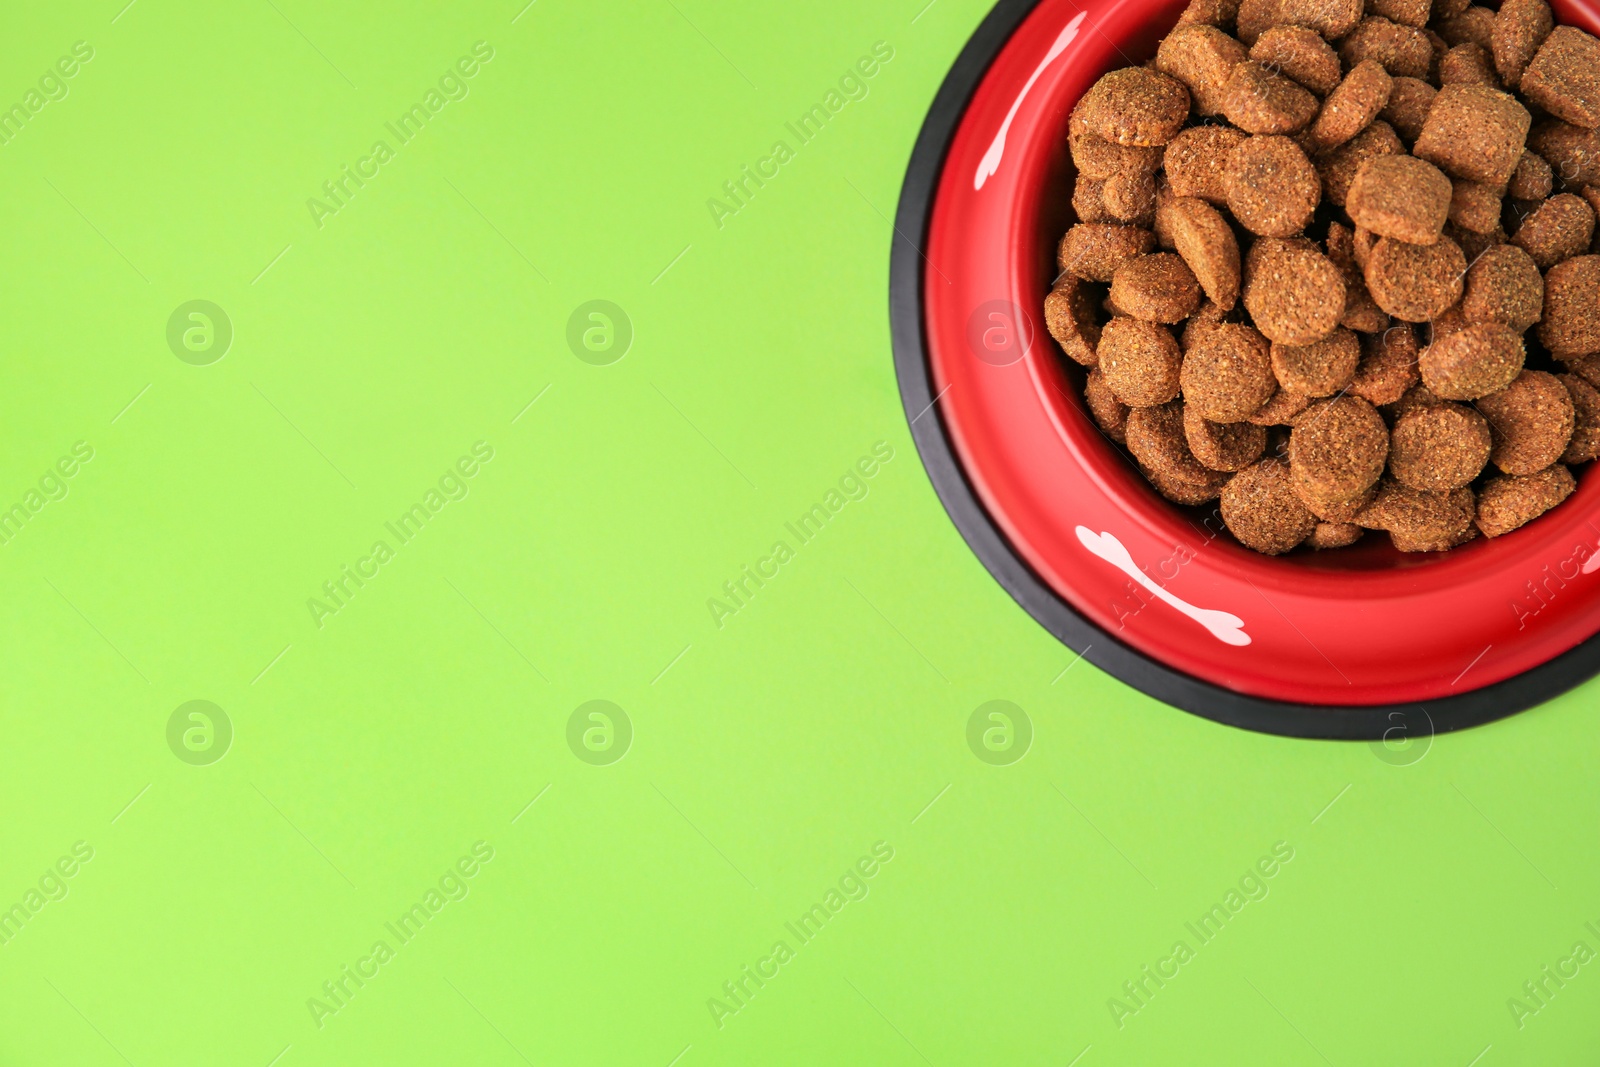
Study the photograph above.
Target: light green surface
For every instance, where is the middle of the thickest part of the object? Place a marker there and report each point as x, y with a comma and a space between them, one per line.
768, 755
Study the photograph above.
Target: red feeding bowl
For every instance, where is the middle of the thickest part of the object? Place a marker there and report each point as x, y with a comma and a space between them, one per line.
1362, 642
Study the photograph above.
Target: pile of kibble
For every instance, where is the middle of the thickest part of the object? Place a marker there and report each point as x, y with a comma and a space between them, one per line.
1350, 251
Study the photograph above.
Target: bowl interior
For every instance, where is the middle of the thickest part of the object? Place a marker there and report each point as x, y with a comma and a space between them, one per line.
1063, 380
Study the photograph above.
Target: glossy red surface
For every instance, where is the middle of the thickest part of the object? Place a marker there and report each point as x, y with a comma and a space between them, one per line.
1360, 626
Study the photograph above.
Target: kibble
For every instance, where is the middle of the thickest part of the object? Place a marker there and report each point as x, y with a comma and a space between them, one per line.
1311, 236
1259, 506
1504, 286
1352, 106
1558, 229
1339, 168
1438, 447
1532, 420
1156, 288
1388, 367
1197, 162
1419, 521
1069, 316
1400, 197
1564, 77
1585, 444
1110, 414
1404, 51
1202, 58
1319, 369
1258, 101
1140, 361
1135, 106
1272, 188
1292, 291
1094, 250
1571, 326
1222, 446
1468, 64
1474, 362
1520, 27
1228, 375
1474, 207
1407, 109
1300, 54
1509, 502
1475, 133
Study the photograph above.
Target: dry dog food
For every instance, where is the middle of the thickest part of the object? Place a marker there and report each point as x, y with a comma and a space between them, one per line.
1336, 267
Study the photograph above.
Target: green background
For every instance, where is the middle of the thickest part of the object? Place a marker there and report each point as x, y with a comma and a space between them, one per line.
1428, 881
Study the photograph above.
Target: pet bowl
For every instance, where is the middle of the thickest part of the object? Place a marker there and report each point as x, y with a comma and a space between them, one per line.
1363, 642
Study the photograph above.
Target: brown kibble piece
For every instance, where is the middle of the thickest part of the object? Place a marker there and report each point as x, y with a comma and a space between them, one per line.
1331, 18
1207, 244
1572, 151
1338, 448
1292, 291
1130, 197
1156, 439
1201, 57
1532, 420
1585, 444
1559, 229
1338, 168
1468, 64
1474, 24
1591, 193
1273, 190
1140, 361
1099, 159
1319, 369
1094, 250
1504, 286
1401, 197
1564, 77
1255, 18
1190, 494
1210, 12
1156, 288
1406, 12
1200, 325
1228, 375
1419, 521
1110, 414
1519, 29
1473, 362
1260, 509
1571, 326
1070, 318
1361, 312
1388, 366
1532, 180
1415, 282
1407, 109
1281, 410
1334, 535
1259, 101
1474, 206
1438, 447
1475, 133
1135, 106
1404, 51
1508, 503
1418, 396
1449, 9
1301, 54
1222, 446
1587, 368
1332, 510
1089, 202
1197, 161
1352, 106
